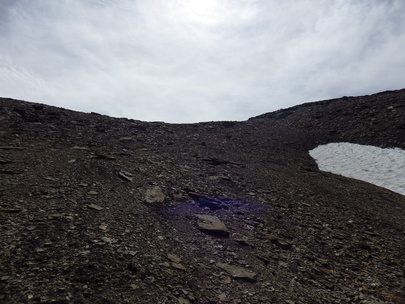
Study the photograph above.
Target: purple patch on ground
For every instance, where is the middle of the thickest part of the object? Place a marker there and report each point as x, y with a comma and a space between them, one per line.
218, 205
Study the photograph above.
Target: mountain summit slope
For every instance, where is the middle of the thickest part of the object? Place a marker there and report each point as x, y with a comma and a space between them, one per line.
95, 209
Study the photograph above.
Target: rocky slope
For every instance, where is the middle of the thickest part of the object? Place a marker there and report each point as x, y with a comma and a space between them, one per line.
96, 209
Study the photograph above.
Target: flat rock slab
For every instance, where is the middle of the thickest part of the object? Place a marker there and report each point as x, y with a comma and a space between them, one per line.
212, 225
238, 272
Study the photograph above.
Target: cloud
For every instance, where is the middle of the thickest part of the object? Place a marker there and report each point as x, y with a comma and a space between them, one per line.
190, 60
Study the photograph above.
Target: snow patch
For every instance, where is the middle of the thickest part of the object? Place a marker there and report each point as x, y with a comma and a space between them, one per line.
381, 167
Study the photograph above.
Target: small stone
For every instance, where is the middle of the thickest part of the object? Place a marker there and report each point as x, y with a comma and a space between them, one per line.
95, 207
227, 280
103, 227
212, 225
238, 272
108, 240
241, 240
282, 264
270, 237
222, 297
191, 297
92, 192
277, 241
154, 195
54, 216
165, 264
183, 301
264, 259
178, 266
134, 286
283, 244
173, 258
126, 176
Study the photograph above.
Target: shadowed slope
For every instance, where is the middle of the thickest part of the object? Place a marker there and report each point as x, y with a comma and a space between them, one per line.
76, 226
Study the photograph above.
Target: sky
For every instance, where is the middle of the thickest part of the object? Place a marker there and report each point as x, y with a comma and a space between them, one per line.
184, 61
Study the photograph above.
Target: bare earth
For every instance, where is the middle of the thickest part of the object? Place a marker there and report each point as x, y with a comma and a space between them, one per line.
95, 209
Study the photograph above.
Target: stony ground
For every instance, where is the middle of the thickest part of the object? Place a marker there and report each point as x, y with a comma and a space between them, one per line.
96, 209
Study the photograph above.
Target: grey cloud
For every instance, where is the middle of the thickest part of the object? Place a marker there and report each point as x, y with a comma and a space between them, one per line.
171, 61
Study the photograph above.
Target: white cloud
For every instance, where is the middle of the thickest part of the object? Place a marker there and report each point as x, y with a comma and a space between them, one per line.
191, 60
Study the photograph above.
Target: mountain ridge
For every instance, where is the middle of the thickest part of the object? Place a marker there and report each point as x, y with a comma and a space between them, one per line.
97, 209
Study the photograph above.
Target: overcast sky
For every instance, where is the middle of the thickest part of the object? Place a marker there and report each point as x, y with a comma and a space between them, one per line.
198, 60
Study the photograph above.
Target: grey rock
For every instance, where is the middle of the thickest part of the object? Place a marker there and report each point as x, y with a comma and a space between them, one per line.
238, 272
175, 262
242, 240
173, 258
183, 301
222, 297
55, 216
108, 240
154, 195
95, 207
178, 266
212, 225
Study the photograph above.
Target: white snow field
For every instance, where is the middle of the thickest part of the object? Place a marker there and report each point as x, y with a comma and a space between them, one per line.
381, 167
